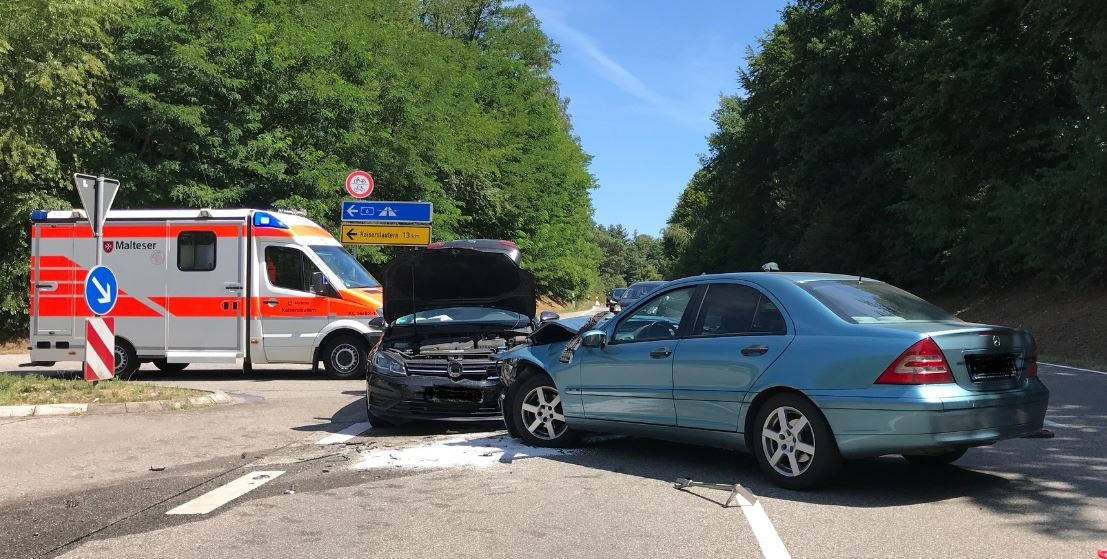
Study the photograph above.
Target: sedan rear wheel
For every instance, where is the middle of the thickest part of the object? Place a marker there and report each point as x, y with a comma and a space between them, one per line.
794, 445
538, 415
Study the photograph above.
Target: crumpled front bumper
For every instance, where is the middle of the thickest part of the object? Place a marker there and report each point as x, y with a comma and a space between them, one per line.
416, 397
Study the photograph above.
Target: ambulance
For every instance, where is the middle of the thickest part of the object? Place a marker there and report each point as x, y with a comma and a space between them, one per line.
204, 286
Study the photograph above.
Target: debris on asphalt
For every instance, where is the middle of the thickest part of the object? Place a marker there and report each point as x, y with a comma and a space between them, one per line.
291, 489
157, 468
71, 504
468, 451
260, 477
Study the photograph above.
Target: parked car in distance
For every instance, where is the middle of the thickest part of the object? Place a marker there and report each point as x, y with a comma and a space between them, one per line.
507, 248
636, 291
449, 311
803, 370
613, 298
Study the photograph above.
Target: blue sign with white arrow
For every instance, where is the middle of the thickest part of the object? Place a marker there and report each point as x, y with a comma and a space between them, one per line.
101, 290
407, 212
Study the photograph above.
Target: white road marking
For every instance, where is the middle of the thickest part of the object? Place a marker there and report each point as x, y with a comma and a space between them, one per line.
476, 450
347, 433
772, 547
1073, 368
226, 493
1056, 425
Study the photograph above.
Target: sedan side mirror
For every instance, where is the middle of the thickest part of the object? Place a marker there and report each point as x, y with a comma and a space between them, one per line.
593, 338
547, 316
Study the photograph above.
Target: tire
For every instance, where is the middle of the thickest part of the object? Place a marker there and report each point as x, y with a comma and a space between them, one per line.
804, 454
126, 360
535, 409
935, 460
167, 367
346, 357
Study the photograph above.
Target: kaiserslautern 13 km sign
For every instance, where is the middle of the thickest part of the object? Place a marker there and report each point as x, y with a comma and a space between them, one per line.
395, 235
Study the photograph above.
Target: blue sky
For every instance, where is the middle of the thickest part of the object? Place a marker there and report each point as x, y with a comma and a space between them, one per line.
643, 78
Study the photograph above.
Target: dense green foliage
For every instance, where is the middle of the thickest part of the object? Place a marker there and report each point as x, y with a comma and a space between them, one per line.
259, 103
627, 257
927, 142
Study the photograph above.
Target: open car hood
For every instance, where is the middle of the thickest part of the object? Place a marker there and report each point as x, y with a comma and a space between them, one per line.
425, 280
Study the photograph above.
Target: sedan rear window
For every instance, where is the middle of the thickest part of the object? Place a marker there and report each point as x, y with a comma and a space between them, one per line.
868, 302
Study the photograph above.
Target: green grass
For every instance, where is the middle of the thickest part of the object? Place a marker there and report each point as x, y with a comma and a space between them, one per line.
28, 390
1096, 364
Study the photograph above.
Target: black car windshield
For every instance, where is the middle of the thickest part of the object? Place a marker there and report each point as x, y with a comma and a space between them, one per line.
467, 315
869, 302
345, 266
637, 291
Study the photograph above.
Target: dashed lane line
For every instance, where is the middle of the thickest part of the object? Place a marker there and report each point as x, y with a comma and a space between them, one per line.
226, 493
346, 434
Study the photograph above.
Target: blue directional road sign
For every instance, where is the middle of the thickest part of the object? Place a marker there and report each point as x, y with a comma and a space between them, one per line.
101, 290
407, 212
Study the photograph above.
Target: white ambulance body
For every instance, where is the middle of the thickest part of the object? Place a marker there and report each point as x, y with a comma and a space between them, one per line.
204, 286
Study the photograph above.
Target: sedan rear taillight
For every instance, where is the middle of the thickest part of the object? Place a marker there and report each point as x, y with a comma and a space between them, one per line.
922, 363
1032, 359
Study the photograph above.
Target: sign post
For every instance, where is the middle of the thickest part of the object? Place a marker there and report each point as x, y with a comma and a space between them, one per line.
101, 288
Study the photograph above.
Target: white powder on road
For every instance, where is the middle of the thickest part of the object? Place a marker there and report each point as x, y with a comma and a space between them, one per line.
479, 451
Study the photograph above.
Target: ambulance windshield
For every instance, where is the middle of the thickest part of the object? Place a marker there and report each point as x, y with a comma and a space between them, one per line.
346, 267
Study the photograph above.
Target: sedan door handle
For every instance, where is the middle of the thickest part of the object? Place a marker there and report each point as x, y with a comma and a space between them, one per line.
271, 302
752, 350
661, 353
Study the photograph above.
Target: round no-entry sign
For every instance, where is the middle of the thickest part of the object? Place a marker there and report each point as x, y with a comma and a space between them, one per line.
359, 184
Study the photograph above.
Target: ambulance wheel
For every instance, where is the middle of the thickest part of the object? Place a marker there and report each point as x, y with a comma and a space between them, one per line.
168, 367
346, 357
126, 360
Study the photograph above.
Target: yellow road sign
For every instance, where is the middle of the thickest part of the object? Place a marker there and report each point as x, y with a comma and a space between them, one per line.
395, 235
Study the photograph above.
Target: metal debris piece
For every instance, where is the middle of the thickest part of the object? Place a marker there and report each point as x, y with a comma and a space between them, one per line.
291, 489
260, 477
157, 468
736, 491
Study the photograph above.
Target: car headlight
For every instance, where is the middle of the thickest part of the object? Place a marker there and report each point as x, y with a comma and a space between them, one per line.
386, 364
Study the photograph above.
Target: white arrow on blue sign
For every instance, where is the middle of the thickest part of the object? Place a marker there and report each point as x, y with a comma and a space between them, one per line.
101, 290
407, 212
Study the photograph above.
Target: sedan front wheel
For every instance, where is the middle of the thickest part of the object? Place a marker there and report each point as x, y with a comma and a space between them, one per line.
538, 416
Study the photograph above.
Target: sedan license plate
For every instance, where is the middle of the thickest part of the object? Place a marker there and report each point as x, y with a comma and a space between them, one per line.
984, 368
467, 395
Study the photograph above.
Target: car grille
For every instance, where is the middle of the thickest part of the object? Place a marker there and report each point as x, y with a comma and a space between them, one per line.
474, 367
989, 367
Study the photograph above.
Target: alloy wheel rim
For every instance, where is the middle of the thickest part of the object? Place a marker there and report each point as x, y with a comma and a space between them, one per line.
345, 358
788, 441
541, 413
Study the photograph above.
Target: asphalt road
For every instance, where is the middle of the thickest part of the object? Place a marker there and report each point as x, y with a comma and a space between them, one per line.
83, 487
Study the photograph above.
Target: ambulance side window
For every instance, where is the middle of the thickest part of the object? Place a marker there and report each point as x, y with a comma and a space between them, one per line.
288, 268
196, 251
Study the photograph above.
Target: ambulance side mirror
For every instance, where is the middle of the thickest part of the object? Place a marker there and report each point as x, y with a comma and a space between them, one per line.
318, 283
377, 322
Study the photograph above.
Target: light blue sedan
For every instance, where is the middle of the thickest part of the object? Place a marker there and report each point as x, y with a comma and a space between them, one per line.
801, 369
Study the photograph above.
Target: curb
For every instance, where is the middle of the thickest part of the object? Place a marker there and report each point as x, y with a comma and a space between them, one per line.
215, 398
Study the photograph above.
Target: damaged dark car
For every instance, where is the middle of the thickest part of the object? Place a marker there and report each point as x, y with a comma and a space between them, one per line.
448, 312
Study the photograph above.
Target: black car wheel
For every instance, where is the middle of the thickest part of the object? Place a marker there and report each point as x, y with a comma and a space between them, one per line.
346, 357
935, 460
793, 443
126, 360
168, 367
536, 410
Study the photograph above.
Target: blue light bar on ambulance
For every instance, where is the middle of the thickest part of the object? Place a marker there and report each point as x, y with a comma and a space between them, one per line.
38, 215
266, 219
